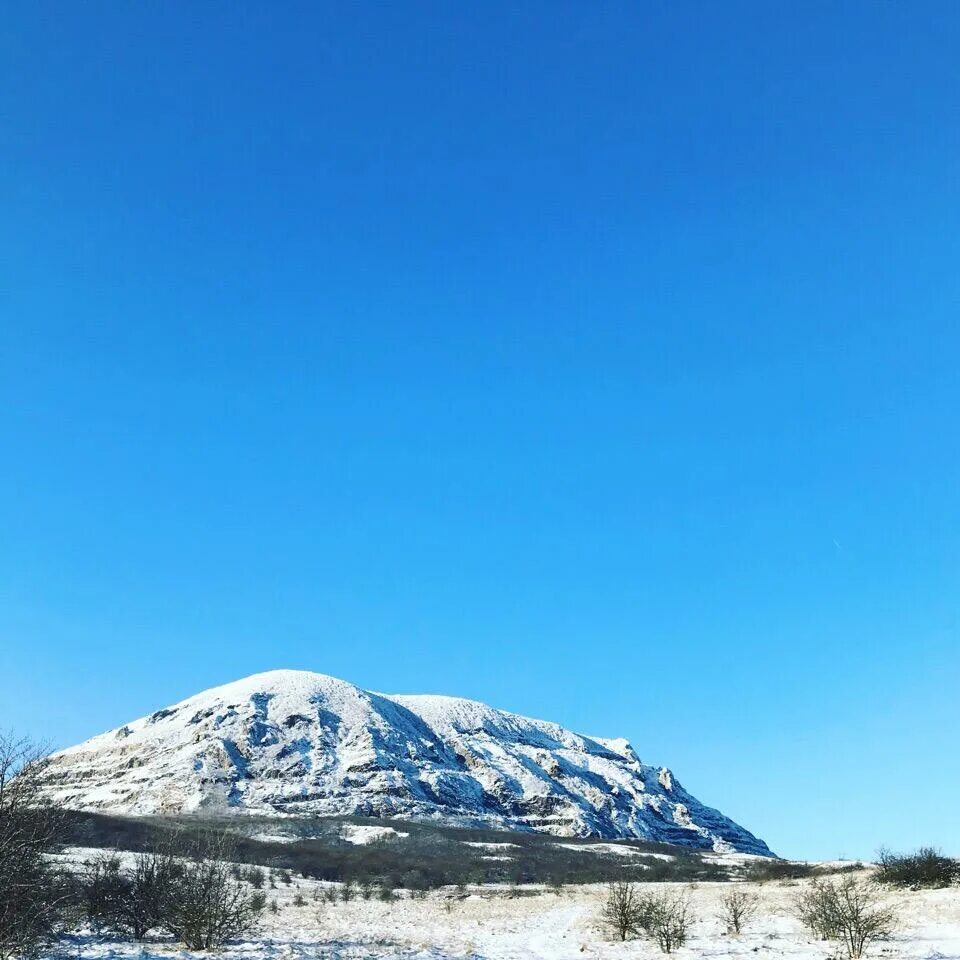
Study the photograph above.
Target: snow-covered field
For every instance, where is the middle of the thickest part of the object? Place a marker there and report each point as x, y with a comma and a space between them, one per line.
497, 923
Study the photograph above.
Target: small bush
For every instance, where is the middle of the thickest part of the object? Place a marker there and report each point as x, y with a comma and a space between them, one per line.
620, 913
927, 867
849, 910
667, 919
816, 909
737, 909
153, 891
210, 907
663, 917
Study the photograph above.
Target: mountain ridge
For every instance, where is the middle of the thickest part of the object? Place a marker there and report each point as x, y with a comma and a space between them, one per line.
289, 742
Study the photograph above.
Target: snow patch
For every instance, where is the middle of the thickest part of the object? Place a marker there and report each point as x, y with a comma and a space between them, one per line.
616, 848
362, 834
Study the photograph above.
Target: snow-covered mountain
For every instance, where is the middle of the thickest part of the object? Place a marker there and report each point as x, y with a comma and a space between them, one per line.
291, 742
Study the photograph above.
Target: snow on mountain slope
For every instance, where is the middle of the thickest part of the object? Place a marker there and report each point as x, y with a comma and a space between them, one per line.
298, 743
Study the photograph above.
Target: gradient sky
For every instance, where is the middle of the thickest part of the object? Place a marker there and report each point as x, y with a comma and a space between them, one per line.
595, 360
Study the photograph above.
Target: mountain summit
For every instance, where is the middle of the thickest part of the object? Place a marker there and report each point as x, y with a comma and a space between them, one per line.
291, 742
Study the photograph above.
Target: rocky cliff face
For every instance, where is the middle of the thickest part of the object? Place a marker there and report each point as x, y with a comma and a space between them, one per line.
298, 743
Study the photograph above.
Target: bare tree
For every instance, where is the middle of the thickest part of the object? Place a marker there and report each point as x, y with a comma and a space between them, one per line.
32, 894
621, 910
211, 907
737, 909
851, 911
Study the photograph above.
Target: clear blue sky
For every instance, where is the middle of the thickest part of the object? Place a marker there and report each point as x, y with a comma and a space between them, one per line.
598, 361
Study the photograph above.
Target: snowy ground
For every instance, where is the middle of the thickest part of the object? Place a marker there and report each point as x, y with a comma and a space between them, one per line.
496, 923
356, 834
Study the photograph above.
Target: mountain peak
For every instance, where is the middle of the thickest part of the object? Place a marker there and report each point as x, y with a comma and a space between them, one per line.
293, 742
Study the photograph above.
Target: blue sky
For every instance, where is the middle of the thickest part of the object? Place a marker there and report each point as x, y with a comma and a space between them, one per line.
598, 361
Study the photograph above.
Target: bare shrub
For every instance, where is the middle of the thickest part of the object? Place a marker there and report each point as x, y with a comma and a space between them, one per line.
849, 910
816, 909
738, 908
927, 867
32, 893
134, 901
100, 887
621, 910
667, 919
154, 887
210, 907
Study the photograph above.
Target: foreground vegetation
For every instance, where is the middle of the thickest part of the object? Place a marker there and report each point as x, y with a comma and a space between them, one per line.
32, 894
851, 911
925, 869
184, 887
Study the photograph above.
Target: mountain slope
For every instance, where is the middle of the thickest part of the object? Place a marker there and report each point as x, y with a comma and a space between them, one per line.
293, 742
